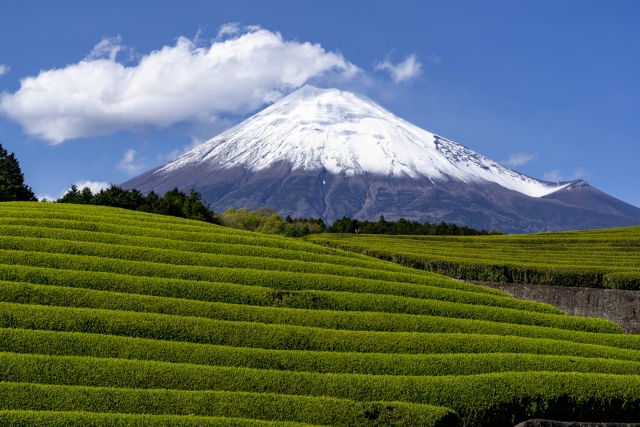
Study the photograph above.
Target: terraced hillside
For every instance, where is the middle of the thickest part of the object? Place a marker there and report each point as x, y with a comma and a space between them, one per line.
608, 258
117, 318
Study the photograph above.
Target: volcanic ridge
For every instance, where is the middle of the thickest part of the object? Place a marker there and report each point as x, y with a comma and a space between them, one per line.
329, 153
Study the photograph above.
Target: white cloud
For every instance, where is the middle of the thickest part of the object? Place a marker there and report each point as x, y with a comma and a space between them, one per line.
579, 174
94, 186
45, 198
170, 155
230, 29
178, 152
556, 176
519, 159
128, 163
4, 69
435, 58
236, 73
553, 176
108, 48
405, 70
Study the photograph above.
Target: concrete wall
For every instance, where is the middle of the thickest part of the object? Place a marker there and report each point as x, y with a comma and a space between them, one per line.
621, 307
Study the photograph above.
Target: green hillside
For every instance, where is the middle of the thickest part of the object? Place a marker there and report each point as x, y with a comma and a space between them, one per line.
608, 258
111, 317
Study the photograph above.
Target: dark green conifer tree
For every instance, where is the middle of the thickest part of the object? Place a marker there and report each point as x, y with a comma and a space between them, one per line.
12, 186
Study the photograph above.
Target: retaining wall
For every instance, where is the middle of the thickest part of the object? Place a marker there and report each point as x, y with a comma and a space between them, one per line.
621, 307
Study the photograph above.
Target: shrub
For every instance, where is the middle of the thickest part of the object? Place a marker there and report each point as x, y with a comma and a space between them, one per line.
265, 406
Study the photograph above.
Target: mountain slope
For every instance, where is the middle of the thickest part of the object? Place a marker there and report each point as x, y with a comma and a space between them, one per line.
327, 153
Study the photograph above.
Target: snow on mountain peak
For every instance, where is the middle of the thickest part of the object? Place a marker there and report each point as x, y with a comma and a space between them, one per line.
349, 134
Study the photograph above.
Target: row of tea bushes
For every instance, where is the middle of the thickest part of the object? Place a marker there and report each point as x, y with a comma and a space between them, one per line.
111, 317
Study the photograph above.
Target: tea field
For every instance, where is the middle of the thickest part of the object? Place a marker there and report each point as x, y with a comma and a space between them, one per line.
608, 258
111, 317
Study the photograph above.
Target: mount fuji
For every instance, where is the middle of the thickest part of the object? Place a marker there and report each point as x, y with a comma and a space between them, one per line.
329, 153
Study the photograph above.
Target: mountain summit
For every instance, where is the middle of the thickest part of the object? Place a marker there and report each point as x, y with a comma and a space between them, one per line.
345, 133
328, 153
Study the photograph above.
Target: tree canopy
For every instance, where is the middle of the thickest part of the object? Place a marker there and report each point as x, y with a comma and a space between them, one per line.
12, 186
173, 203
263, 220
403, 226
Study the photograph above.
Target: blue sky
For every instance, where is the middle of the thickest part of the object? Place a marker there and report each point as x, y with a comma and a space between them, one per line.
549, 88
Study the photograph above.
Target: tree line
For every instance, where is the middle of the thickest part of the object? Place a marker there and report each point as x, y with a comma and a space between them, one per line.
264, 220
191, 206
173, 203
405, 227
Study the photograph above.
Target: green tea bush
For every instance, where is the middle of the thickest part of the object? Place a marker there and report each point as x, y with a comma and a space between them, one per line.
283, 280
110, 317
592, 258
165, 256
330, 319
623, 280
544, 393
264, 406
245, 292
198, 247
95, 345
89, 419
475, 338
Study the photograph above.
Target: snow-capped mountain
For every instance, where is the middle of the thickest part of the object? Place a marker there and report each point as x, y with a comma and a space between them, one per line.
329, 153
345, 133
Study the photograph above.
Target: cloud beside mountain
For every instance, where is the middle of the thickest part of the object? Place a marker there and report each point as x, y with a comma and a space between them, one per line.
406, 70
238, 72
519, 159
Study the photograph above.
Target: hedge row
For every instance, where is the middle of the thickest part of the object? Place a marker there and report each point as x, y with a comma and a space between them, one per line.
558, 268
195, 247
79, 344
165, 256
194, 236
274, 407
230, 292
88, 419
26, 293
282, 280
616, 281
119, 216
288, 337
507, 273
622, 280
618, 257
119, 373
591, 395
621, 237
